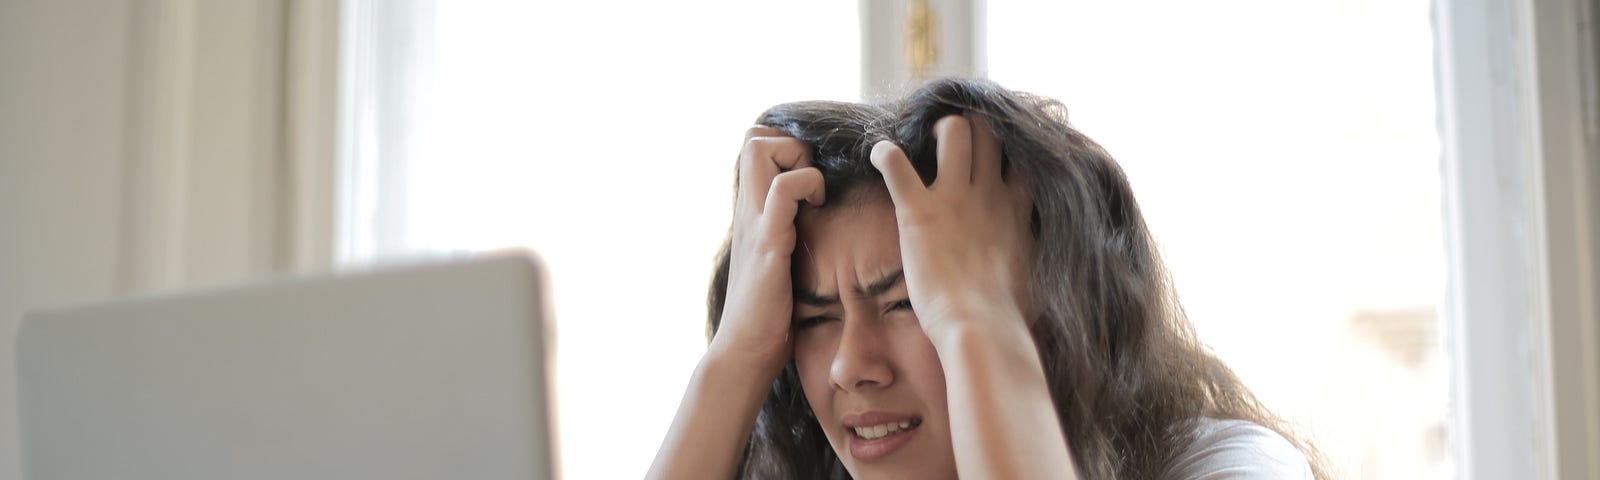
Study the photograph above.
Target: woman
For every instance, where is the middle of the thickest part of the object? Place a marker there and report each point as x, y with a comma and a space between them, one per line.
955, 284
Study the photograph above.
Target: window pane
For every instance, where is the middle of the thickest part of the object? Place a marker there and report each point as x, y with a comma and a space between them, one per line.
603, 135
1285, 155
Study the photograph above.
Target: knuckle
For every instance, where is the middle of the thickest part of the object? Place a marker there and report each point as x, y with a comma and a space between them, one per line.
795, 181
755, 146
787, 180
800, 147
764, 131
757, 131
790, 147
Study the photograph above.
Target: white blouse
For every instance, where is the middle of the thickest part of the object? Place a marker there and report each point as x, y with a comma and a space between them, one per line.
1239, 450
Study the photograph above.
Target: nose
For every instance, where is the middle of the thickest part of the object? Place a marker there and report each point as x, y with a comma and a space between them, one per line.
861, 361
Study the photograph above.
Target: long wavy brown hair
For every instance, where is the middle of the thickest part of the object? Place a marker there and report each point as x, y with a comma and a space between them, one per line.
1127, 375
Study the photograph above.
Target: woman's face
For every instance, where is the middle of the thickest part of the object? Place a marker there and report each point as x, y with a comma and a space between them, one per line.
870, 374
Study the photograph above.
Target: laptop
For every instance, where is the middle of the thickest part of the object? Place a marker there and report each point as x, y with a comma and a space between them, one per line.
436, 371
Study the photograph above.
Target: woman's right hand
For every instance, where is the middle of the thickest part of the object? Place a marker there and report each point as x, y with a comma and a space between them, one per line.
775, 174
752, 345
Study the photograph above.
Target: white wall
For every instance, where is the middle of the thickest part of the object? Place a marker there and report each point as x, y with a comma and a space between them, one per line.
157, 144
63, 121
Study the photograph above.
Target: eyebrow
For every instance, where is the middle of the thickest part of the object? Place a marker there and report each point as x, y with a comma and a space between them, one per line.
876, 288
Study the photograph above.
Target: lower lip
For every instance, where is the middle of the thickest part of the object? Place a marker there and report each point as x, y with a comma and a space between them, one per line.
864, 449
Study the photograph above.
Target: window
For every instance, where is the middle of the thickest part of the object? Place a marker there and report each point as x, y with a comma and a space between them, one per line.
1289, 167
480, 125
1286, 155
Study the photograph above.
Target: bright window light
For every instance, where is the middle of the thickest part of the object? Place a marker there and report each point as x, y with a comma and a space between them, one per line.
603, 136
1286, 157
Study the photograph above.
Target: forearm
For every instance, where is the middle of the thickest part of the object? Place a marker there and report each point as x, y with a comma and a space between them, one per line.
1002, 420
714, 421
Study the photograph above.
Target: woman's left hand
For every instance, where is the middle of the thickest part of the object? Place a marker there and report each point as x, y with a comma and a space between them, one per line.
966, 244
965, 239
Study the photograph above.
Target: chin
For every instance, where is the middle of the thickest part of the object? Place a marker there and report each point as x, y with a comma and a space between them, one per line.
914, 461
899, 470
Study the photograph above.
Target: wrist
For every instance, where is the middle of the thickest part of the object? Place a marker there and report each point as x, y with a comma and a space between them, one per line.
727, 371
990, 324
988, 341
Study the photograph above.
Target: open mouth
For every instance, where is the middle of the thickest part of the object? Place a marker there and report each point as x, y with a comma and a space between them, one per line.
884, 430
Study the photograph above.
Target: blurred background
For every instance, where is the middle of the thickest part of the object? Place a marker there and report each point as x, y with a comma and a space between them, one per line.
1381, 213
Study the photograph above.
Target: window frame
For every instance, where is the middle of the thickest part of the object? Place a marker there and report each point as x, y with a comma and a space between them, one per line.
1519, 187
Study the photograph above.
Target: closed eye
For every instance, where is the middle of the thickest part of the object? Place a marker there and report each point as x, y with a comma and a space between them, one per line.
904, 304
808, 322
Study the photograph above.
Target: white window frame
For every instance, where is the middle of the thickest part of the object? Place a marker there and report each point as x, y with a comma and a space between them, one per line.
1519, 196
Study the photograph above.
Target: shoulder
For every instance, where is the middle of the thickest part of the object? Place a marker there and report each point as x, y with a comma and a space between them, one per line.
1238, 450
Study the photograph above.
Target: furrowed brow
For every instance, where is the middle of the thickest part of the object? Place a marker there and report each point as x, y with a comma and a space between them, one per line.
879, 287
807, 297
882, 285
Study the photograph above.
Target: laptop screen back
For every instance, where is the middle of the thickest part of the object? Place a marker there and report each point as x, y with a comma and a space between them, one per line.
423, 372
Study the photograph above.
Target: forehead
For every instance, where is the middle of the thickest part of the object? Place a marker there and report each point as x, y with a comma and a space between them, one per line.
853, 243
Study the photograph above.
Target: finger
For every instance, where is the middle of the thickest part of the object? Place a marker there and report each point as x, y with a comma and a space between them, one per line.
986, 151
779, 154
747, 174
764, 158
902, 180
762, 131
788, 189
781, 139
953, 138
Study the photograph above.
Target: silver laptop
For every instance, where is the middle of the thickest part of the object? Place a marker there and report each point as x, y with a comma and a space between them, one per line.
423, 372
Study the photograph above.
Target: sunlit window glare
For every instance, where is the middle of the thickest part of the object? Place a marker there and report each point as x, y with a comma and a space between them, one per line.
1286, 157
606, 143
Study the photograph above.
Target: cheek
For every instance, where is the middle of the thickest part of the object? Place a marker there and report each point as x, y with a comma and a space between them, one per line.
813, 357
925, 362
920, 367
917, 360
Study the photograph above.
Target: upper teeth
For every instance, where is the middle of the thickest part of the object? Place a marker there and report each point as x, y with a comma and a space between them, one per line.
884, 430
